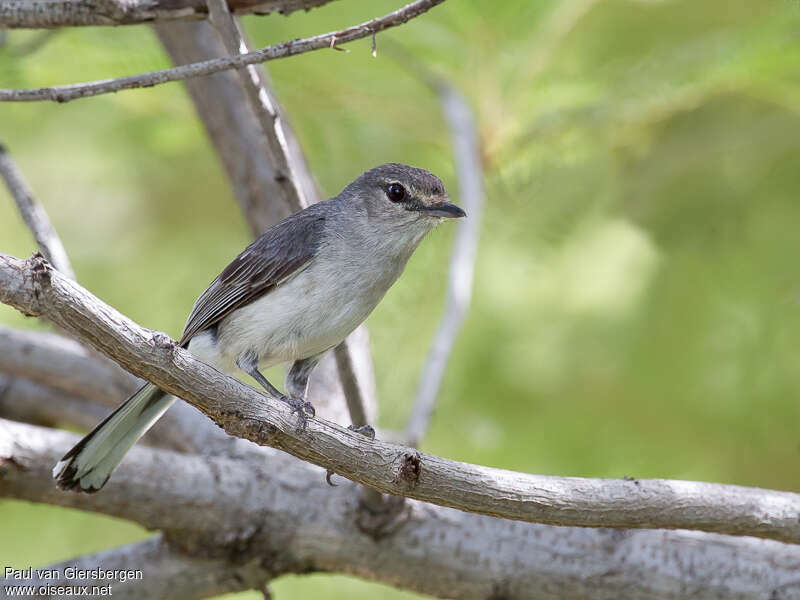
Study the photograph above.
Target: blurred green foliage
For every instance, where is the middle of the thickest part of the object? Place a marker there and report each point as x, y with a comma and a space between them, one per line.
636, 294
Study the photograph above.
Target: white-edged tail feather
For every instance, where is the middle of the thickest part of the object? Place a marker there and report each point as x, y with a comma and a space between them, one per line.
87, 467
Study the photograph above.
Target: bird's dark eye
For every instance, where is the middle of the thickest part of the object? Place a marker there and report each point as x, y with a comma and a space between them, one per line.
396, 192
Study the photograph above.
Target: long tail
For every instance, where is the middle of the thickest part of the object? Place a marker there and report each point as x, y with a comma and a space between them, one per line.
87, 467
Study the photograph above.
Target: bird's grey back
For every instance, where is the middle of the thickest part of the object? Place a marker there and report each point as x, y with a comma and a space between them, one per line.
367, 246
272, 257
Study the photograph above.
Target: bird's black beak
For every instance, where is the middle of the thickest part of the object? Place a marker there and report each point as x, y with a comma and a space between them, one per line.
444, 209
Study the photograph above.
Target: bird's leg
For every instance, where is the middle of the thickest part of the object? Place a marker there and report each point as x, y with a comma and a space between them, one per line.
248, 362
298, 376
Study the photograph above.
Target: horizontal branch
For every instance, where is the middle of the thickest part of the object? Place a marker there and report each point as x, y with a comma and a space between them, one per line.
49, 14
63, 364
65, 93
166, 573
55, 364
34, 287
272, 507
30, 402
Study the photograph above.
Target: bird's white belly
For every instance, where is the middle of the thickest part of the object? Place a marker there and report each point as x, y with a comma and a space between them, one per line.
297, 319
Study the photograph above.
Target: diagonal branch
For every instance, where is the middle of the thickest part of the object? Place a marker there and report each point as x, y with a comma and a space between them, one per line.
297, 189
462, 258
65, 93
237, 136
34, 214
78, 13
35, 288
264, 106
275, 512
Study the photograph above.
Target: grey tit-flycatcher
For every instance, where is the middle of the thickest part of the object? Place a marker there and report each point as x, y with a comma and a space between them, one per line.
295, 292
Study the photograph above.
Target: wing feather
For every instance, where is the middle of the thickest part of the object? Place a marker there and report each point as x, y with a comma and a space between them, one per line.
279, 252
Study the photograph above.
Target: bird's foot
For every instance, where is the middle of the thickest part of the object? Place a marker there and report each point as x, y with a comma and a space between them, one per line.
302, 408
365, 430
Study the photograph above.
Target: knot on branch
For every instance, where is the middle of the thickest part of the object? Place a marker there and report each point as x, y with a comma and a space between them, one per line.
384, 518
163, 341
500, 591
235, 544
235, 423
7, 463
41, 271
410, 469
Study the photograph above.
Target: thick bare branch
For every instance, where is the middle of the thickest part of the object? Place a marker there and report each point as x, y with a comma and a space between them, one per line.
276, 511
63, 365
34, 287
153, 570
30, 402
288, 185
34, 215
233, 128
65, 93
264, 106
77, 13
462, 260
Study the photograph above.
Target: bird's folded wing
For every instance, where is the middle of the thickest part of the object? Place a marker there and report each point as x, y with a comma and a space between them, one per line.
278, 253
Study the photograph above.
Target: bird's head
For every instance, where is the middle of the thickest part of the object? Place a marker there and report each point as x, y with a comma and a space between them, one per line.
401, 196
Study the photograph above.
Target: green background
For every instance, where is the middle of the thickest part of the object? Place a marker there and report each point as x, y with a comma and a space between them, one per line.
635, 310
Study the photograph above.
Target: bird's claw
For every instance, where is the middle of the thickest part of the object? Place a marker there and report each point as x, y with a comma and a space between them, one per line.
366, 430
302, 408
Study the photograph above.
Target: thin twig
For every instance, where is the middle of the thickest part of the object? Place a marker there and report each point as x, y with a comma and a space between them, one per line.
37, 289
65, 93
466, 155
34, 215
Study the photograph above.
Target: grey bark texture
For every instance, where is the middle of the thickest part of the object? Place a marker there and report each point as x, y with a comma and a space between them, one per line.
39, 14
286, 519
35, 288
30, 402
45, 366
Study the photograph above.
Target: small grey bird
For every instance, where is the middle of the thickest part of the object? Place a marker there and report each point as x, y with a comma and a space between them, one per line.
294, 293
